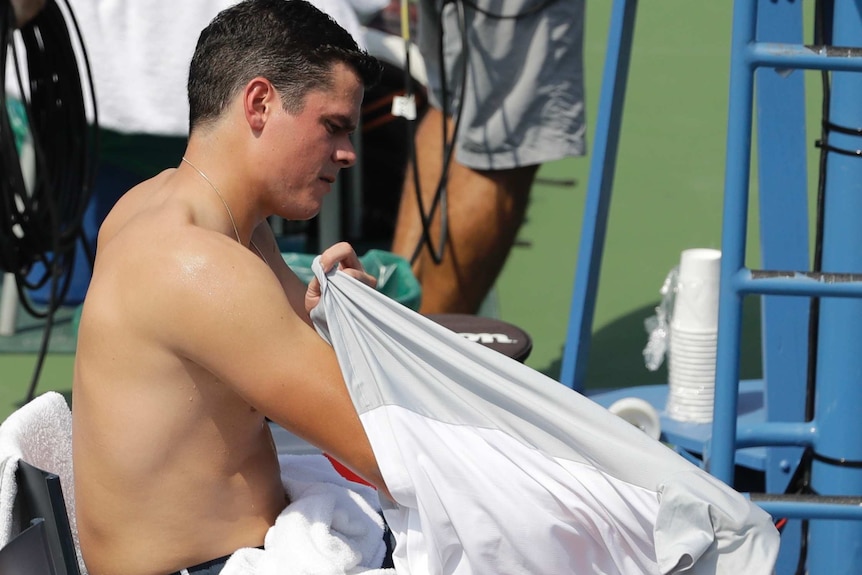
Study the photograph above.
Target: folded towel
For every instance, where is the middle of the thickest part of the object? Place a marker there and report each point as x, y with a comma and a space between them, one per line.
40, 433
332, 526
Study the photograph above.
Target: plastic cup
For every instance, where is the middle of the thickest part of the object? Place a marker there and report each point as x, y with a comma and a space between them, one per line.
699, 363
682, 404
691, 378
693, 337
690, 391
682, 387
693, 358
704, 335
691, 396
697, 404
680, 367
696, 294
693, 392
687, 416
692, 406
686, 407
684, 343
700, 264
698, 394
689, 409
694, 331
686, 349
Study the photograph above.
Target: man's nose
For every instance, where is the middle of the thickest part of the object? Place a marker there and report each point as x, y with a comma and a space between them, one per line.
345, 155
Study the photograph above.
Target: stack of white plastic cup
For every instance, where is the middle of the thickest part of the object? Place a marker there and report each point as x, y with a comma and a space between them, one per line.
693, 337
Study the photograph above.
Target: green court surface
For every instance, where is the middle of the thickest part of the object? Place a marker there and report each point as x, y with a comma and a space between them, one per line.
667, 194
667, 197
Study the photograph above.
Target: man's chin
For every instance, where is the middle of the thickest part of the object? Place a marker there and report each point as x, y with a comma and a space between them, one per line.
299, 215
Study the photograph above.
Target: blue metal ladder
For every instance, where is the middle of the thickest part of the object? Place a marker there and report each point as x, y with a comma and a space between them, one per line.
834, 434
766, 47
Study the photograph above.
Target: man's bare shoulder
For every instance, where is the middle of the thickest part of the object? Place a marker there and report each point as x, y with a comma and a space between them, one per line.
175, 265
163, 270
134, 202
155, 227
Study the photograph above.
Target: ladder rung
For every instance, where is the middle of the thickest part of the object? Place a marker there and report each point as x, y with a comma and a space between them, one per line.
798, 283
809, 506
776, 55
770, 433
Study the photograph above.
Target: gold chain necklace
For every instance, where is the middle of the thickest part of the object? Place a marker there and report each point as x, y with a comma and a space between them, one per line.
226, 207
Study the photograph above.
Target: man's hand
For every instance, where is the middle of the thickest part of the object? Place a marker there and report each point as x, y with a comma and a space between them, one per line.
26, 10
343, 255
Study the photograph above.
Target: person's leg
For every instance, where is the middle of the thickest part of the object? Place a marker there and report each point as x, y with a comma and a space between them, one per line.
485, 211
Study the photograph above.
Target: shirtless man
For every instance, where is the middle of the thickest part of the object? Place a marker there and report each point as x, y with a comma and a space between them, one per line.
194, 330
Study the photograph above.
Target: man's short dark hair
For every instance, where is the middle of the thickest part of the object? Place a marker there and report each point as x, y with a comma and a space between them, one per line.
289, 42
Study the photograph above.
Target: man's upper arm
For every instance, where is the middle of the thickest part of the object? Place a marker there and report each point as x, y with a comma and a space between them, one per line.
294, 288
235, 321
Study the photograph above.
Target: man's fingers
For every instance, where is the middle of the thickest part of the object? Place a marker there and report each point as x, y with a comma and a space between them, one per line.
362, 276
342, 254
313, 288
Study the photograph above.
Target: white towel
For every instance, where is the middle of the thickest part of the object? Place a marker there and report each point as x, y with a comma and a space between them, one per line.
40, 433
332, 526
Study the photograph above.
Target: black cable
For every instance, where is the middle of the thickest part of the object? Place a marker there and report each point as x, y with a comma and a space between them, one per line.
824, 144
820, 36
42, 223
440, 198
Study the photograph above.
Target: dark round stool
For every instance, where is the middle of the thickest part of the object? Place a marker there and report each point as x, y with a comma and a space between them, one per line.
500, 336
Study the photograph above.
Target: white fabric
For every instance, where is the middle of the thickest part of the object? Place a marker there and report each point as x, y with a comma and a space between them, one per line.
498, 469
40, 433
332, 526
140, 53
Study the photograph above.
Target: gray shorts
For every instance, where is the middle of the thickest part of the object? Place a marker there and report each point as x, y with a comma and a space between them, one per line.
524, 98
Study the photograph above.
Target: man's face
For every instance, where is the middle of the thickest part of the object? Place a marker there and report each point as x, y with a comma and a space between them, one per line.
314, 144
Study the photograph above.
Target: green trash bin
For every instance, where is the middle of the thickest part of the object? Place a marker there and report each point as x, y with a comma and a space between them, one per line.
395, 279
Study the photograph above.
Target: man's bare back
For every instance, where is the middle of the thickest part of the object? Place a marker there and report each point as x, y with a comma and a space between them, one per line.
196, 455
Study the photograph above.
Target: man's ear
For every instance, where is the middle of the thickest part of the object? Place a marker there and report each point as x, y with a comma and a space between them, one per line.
259, 99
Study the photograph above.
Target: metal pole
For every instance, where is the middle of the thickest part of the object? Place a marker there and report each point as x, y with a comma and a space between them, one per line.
835, 547
721, 458
595, 220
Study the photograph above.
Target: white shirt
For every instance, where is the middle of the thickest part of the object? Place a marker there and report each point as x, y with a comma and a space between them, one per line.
140, 54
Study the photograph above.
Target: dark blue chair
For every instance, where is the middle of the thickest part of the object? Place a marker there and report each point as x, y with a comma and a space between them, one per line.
28, 552
41, 511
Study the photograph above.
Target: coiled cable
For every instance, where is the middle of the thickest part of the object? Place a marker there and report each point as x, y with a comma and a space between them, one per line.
42, 223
